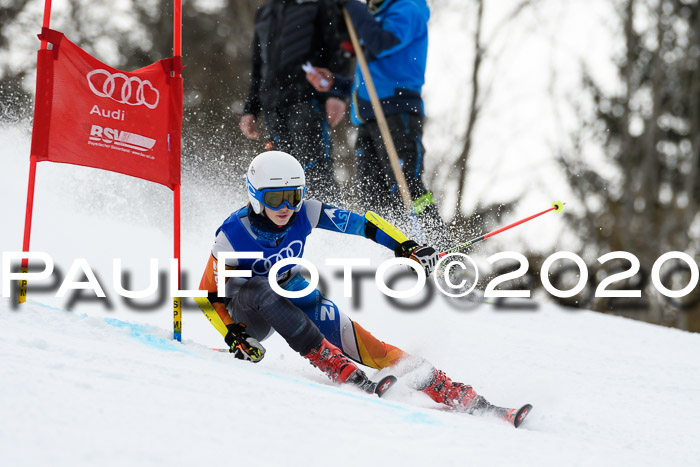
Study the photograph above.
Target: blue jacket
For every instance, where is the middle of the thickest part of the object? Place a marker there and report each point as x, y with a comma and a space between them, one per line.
395, 42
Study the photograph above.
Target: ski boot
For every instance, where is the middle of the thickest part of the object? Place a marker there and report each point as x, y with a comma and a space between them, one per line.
462, 398
340, 369
457, 396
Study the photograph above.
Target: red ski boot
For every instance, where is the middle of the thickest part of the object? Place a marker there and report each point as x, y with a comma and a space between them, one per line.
340, 369
463, 398
457, 396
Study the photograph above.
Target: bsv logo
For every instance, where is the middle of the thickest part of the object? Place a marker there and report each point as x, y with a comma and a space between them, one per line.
293, 250
126, 139
123, 89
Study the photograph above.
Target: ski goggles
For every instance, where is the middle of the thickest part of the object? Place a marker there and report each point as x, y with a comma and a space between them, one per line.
277, 198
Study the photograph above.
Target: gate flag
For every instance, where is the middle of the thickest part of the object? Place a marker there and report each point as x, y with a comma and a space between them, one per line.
90, 114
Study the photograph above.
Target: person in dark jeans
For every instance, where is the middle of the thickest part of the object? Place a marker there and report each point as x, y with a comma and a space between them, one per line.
298, 119
394, 35
375, 175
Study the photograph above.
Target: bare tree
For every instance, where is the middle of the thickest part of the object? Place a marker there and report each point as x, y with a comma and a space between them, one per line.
474, 104
650, 133
480, 90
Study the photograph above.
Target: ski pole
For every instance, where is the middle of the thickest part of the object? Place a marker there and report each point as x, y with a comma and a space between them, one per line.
557, 206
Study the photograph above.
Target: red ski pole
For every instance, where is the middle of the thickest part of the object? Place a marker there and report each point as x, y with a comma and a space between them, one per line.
557, 206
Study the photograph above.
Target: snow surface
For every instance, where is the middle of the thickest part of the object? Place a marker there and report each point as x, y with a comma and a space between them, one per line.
108, 386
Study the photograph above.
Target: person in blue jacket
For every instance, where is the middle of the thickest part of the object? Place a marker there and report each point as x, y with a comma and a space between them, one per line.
274, 225
394, 36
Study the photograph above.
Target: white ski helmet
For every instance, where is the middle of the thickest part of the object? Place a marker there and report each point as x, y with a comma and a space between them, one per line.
275, 179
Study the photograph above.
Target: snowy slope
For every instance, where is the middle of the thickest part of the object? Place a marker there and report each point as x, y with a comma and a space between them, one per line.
99, 386
80, 390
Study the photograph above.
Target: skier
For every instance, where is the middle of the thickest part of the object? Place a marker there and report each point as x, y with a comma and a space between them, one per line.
276, 222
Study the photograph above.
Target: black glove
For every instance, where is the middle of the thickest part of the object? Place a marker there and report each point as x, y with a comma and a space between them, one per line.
241, 345
425, 255
341, 3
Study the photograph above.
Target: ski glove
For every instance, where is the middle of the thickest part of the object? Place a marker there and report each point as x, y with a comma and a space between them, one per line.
241, 345
425, 255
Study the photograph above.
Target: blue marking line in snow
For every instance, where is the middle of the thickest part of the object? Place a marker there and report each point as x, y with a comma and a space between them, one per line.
408, 414
141, 334
425, 419
44, 305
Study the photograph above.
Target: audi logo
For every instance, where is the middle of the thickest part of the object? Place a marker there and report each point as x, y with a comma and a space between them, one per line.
293, 250
132, 91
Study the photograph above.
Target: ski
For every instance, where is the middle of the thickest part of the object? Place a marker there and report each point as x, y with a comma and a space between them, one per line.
383, 385
514, 417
